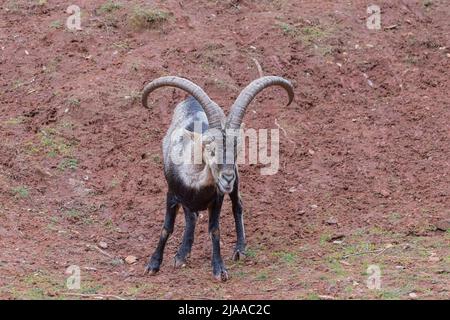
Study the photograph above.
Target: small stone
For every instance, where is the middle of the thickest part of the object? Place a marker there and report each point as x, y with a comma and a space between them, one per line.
335, 237
103, 245
413, 295
168, 295
311, 151
434, 258
331, 221
130, 259
443, 225
314, 206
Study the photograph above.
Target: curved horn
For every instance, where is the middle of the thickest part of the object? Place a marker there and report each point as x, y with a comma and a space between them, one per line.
246, 96
213, 112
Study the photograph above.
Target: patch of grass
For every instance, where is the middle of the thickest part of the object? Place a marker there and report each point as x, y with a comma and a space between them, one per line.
15, 121
73, 214
394, 217
287, 257
78, 217
18, 83
21, 192
389, 295
68, 163
240, 274
156, 159
122, 45
212, 56
39, 285
288, 29
312, 296
109, 224
116, 262
73, 102
411, 59
307, 34
324, 239
90, 287
137, 289
311, 34
336, 267
110, 6
56, 24
114, 183
52, 143
51, 67
262, 276
145, 18
250, 253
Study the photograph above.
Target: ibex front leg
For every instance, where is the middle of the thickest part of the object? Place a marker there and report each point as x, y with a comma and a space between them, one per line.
172, 208
219, 270
188, 238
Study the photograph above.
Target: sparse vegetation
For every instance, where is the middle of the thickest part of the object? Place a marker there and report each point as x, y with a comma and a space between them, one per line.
56, 24
52, 143
15, 121
145, 18
73, 102
21, 192
308, 35
68, 163
110, 6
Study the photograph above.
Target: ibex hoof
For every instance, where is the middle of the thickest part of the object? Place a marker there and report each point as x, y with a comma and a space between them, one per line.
179, 262
238, 255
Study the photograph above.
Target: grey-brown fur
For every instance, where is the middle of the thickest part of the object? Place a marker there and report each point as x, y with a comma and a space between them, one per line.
199, 123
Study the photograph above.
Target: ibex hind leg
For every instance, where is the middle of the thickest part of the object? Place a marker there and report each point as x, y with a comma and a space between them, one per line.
156, 259
184, 250
220, 272
236, 203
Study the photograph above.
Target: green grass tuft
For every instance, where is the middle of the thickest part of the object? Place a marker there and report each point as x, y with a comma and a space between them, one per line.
143, 18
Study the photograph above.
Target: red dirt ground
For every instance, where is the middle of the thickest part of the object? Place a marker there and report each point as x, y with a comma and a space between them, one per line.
365, 170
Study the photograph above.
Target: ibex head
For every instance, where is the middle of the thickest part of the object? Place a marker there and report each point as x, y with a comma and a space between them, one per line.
221, 142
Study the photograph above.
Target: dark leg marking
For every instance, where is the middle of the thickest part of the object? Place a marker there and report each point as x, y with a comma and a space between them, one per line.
171, 211
236, 203
184, 250
219, 269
